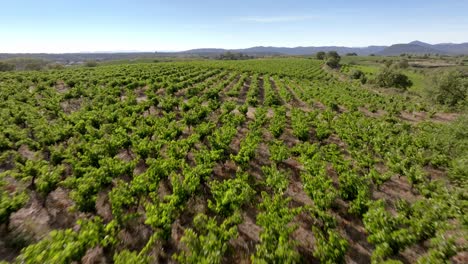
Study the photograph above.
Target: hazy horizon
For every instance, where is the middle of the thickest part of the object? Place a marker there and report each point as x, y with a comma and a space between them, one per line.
146, 26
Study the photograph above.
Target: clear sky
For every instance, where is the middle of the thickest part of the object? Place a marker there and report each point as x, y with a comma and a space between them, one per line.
155, 25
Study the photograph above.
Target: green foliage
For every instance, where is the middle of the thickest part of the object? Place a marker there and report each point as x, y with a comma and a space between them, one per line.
300, 124
125, 256
91, 63
252, 94
333, 59
414, 222
449, 88
10, 201
5, 66
275, 179
88, 131
278, 122
403, 64
230, 195
64, 246
390, 77
271, 98
208, 241
321, 55
320, 188
443, 247
247, 149
330, 246
275, 245
121, 198
221, 138
357, 74
279, 152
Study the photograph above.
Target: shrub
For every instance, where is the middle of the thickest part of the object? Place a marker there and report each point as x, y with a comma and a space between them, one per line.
389, 77
358, 75
320, 55
91, 63
450, 88
333, 62
403, 64
333, 59
33, 66
4, 66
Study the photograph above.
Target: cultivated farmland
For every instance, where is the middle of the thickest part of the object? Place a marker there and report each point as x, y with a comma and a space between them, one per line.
262, 161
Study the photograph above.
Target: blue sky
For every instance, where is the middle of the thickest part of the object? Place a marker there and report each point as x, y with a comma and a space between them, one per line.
144, 25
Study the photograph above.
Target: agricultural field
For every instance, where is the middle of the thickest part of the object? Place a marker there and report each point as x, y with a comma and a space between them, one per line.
419, 69
255, 161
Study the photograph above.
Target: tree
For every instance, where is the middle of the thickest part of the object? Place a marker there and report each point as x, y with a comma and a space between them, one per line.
351, 54
234, 56
450, 88
390, 77
332, 54
333, 59
320, 55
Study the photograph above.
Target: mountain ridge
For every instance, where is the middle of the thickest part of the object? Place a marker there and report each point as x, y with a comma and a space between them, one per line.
414, 47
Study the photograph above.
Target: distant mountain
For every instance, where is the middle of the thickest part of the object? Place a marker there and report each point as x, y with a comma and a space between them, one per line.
213, 52
420, 43
398, 49
292, 51
453, 48
208, 50
414, 47
419, 47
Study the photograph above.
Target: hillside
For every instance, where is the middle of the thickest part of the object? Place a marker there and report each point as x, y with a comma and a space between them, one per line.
414, 47
419, 48
398, 49
293, 51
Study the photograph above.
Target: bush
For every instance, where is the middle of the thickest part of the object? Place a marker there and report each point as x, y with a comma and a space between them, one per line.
389, 77
320, 55
91, 63
450, 88
55, 66
403, 64
33, 66
333, 59
4, 66
358, 75
333, 62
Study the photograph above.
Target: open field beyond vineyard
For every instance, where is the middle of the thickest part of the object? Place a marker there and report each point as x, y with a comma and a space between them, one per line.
263, 161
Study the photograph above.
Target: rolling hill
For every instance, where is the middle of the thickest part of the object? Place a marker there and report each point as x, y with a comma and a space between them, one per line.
419, 47
414, 47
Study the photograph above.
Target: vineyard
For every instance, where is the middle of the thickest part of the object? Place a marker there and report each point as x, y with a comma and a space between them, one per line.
255, 161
